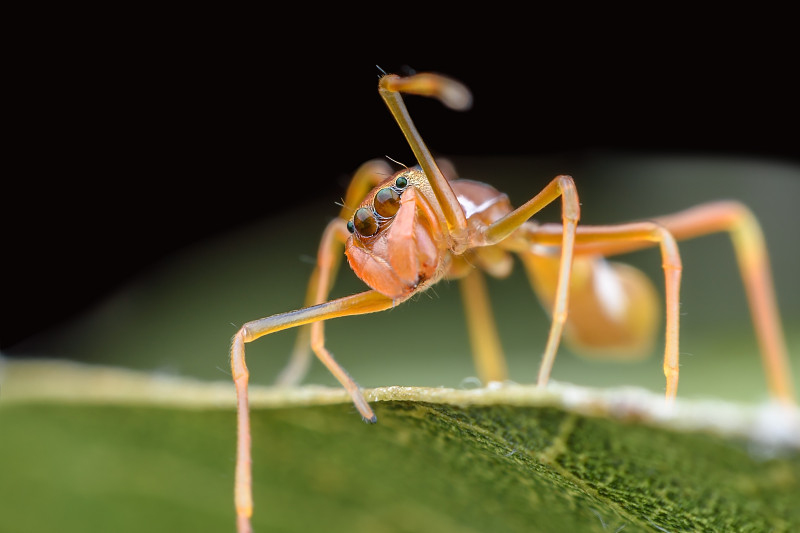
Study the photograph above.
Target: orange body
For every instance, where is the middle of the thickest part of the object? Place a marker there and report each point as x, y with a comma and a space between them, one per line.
410, 250
418, 227
613, 306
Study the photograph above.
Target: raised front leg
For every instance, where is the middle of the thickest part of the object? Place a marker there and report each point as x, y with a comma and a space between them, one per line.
454, 95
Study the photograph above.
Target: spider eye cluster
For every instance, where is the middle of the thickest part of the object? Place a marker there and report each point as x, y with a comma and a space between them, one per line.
367, 220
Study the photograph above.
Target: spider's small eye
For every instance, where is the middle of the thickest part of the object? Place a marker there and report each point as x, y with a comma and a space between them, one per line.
350, 227
387, 202
365, 223
401, 182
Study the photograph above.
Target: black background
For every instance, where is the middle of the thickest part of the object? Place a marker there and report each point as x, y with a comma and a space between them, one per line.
125, 149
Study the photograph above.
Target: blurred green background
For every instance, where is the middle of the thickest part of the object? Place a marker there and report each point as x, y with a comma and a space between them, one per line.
178, 317
135, 142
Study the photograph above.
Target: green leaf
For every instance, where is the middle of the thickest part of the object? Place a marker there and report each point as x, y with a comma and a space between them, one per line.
87, 448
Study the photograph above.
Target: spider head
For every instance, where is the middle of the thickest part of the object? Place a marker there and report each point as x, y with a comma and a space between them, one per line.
396, 243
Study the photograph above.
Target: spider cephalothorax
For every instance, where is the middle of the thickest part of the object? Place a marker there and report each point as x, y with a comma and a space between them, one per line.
395, 245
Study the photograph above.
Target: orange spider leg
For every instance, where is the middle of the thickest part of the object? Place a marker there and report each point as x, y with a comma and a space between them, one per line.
490, 363
564, 187
454, 95
329, 258
357, 304
605, 239
753, 260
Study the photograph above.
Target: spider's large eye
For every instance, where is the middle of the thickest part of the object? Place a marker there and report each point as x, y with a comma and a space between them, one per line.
387, 202
365, 223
